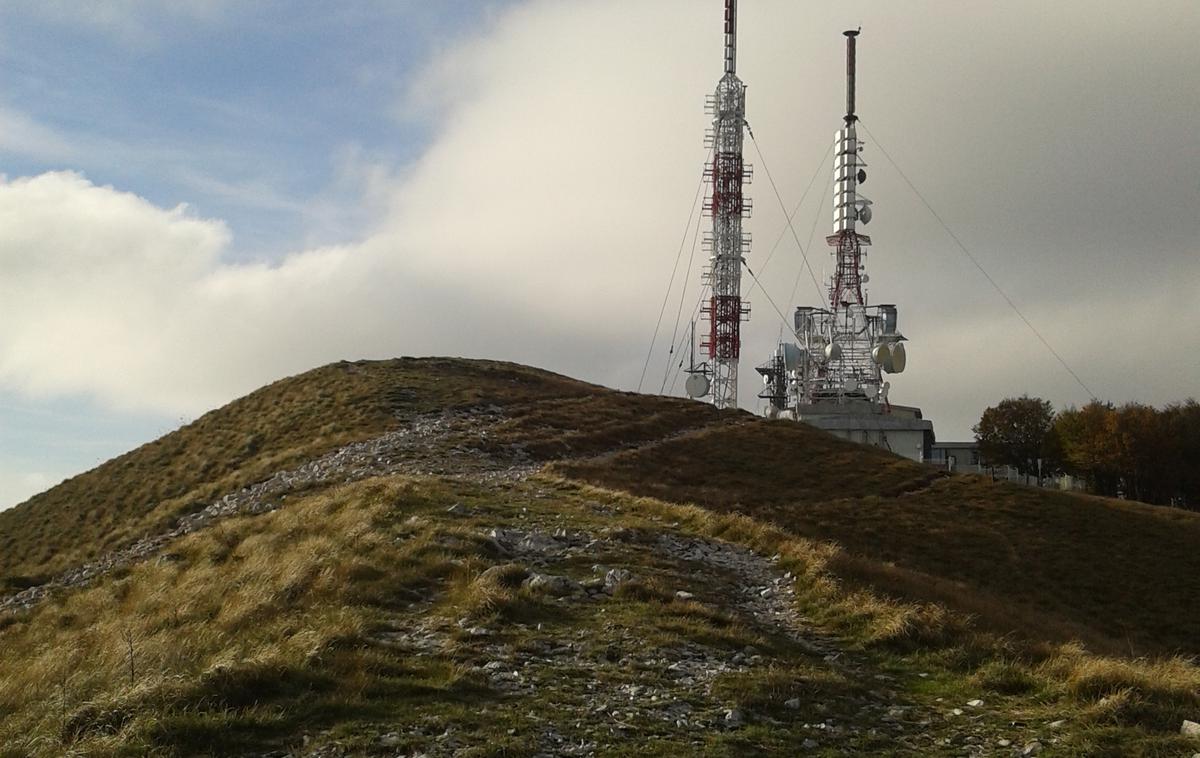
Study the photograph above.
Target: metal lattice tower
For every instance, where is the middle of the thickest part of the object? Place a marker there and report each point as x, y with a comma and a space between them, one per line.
727, 206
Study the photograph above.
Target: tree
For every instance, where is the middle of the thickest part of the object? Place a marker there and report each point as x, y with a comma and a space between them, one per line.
1019, 432
1142, 448
1088, 436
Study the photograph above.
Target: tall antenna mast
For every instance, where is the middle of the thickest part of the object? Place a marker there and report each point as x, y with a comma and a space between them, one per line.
727, 243
845, 287
830, 372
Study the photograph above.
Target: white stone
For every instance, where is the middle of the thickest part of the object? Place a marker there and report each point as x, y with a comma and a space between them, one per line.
1190, 728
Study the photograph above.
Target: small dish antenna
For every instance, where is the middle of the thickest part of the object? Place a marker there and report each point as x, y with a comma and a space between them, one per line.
899, 359
697, 385
881, 354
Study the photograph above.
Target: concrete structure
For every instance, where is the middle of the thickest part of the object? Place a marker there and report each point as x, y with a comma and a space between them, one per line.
903, 431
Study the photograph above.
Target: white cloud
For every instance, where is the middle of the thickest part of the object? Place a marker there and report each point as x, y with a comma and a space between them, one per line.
541, 223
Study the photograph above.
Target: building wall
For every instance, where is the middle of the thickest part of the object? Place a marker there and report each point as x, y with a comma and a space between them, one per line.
907, 443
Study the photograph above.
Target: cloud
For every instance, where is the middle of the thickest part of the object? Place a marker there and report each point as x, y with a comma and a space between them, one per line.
541, 223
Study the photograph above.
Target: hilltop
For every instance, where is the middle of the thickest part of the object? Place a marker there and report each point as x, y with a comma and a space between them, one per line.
447, 556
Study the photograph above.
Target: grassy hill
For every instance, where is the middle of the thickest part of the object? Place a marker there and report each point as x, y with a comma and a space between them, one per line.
1048, 565
530, 564
278, 426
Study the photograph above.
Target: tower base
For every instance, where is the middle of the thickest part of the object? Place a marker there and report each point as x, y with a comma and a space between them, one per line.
901, 429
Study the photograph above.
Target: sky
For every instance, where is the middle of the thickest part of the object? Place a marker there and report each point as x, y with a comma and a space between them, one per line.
200, 197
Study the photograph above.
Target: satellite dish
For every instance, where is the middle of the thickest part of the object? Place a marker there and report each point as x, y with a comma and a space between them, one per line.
833, 351
862, 176
899, 359
881, 354
850, 386
696, 385
864, 214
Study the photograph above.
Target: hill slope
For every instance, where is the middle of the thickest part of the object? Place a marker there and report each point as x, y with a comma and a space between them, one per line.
374, 558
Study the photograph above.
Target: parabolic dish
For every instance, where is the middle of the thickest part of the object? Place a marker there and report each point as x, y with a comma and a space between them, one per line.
833, 351
899, 358
881, 354
696, 385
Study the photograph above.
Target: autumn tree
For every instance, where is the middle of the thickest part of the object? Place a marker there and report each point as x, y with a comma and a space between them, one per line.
1019, 432
1088, 437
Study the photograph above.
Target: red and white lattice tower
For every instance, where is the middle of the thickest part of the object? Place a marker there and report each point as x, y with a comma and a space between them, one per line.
725, 310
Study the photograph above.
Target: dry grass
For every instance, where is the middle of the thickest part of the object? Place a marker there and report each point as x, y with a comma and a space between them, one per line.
1049, 566
993, 581
278, 426
252, 616
1126, 706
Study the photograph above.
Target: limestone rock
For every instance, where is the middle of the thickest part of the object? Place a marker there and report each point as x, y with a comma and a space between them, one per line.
553, 584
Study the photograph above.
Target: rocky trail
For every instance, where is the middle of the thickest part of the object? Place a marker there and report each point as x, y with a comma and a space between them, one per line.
436, 444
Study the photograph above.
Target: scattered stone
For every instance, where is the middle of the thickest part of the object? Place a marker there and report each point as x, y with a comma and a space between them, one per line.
1032, 748
458, 509
734, 718
418, 447
391, 739
976, 703
684, 595
794, 704
552, 584
810, 744
1004, 742
1057, 724
615, 578
1190, 728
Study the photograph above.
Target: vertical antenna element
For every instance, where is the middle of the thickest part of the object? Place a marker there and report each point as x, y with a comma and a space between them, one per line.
727, 173
850, 53
731, 36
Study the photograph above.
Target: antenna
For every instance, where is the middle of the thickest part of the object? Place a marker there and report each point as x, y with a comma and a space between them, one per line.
728, 207
731, 36
851, 36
